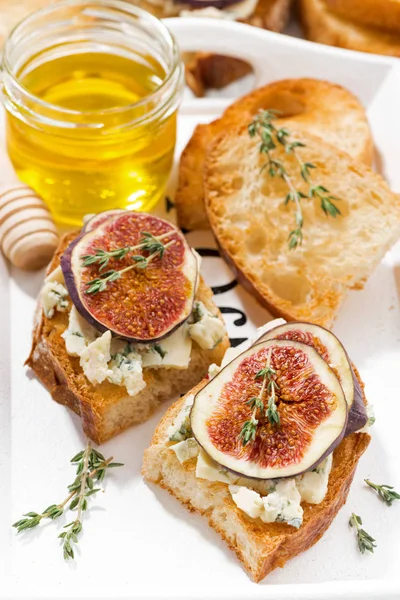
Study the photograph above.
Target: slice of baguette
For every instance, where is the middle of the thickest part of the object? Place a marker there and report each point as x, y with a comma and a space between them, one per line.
374, 13
323, 26
251, 223
106, 409
261, 547
322, 108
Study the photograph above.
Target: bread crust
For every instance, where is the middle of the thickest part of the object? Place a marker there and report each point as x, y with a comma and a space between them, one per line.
325, 27
267, 545
106, 409
373, 13
321, 108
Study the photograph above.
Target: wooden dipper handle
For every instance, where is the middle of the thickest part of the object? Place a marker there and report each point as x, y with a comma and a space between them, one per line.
28, 235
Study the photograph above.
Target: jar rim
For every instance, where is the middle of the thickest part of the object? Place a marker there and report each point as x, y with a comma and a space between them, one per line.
126, 8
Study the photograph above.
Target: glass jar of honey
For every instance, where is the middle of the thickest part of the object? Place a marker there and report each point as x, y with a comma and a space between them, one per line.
91, 91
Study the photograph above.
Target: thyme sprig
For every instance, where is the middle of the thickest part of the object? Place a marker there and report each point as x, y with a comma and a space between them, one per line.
385, 492
99, 284
256, 403
147, 243
364, 540
91, 466
272, 410
271, 137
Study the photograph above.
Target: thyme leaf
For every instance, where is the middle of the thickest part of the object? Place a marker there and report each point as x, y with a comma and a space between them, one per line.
256, 403
99, 284
272, 411
102, 257
364, 540
249, 430
147, 243
385, 492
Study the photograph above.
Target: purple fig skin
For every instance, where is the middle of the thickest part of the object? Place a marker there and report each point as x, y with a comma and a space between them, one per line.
328, 451
209, 3
358, 413
94, 222
66, 267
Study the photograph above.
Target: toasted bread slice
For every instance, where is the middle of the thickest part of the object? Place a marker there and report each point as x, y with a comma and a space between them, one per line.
247, 213
324, 109
373, 13
323, 26
261, 547
106, 409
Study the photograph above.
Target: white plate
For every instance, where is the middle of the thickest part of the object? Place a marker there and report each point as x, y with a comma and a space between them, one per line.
139, 542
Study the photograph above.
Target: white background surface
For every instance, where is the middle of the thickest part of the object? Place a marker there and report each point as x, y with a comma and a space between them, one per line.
139, 542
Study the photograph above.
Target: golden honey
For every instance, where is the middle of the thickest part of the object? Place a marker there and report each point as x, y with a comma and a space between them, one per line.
95, 126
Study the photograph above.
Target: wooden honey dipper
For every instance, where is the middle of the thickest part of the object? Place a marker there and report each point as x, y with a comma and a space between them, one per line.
28, 235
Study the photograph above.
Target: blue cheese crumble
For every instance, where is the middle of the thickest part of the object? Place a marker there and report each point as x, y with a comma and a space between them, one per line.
54, 296
186, 449
180, 429
282, 505
102, 357
125, 368
78, 334
95, 358
313, 485
206, 329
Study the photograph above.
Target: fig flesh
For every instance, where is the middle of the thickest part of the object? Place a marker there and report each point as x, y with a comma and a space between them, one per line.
145, 303
101, 218
310, 402
332, 351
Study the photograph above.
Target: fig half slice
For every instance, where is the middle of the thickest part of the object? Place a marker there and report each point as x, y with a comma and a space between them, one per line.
332, 351
309, 400
148, 299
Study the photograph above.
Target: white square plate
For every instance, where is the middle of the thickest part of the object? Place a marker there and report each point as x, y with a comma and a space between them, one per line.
138, 542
